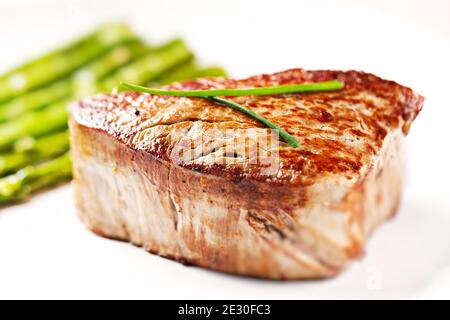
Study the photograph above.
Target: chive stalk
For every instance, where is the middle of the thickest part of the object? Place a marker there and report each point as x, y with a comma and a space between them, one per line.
212, 95
281, 132
275, 90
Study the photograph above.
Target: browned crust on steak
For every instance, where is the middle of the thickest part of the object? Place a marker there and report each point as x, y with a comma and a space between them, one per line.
339, 132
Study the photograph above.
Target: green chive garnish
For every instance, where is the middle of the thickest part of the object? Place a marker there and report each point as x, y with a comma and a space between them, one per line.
286, 136
213, 93
290, 88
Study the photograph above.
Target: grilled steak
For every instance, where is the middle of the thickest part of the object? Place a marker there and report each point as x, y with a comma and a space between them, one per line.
202, 183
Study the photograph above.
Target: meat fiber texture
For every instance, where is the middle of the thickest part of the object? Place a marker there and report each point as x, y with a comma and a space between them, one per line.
204, 184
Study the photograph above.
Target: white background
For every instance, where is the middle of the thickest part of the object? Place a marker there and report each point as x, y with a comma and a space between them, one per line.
46, 253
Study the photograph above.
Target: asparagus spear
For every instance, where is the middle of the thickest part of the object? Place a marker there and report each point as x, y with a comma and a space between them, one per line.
188, 71
214, 71
34, 150
179, 72
85, 81
151, 66
35, 100
79, 84
35, 124
20, 185
62, 62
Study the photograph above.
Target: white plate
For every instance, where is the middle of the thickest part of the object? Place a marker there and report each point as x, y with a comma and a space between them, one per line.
46, 253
